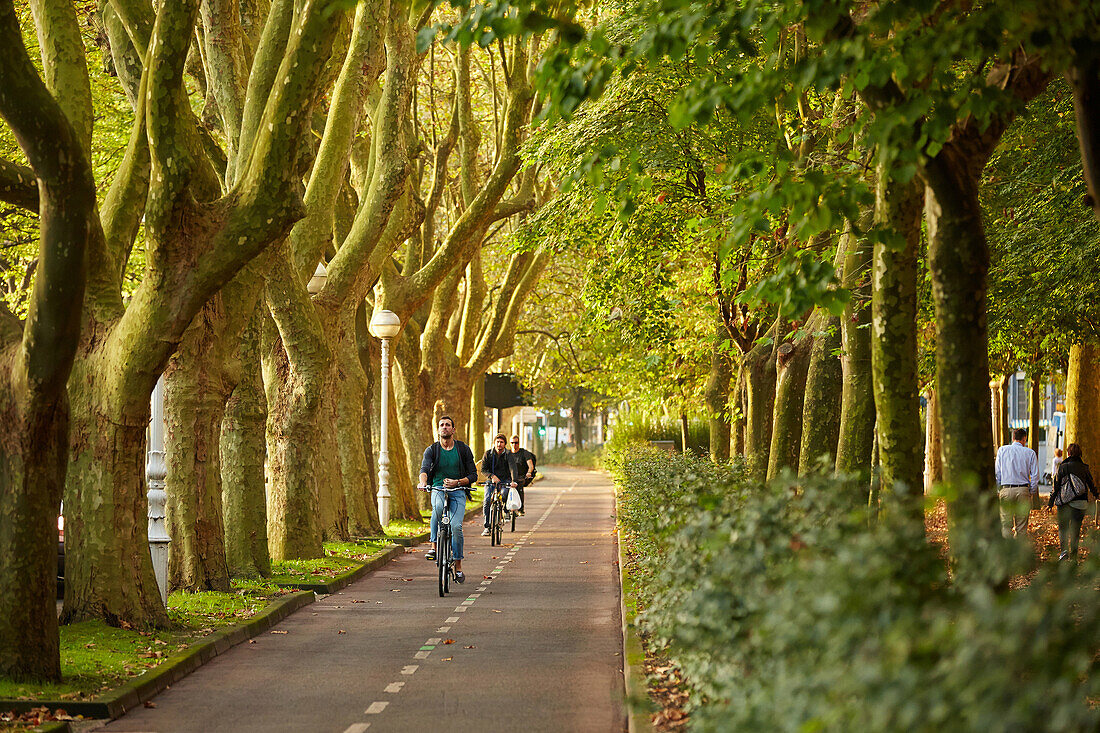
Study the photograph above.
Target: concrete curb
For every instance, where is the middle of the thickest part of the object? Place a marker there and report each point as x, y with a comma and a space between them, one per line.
348, 577
638, 703
174, 669
56, 726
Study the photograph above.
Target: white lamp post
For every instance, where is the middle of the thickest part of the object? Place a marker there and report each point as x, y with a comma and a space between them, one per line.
155, 472
384, 325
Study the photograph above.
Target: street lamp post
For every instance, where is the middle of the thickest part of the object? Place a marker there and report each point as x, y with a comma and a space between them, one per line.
384, 325
155, 472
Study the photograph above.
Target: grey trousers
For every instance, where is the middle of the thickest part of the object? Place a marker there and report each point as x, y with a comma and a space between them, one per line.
1015, 504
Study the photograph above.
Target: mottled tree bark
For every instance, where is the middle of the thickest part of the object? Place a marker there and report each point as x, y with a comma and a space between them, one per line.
195, 391
821, 406
243, 451
1034, 405
933, 441
959, 262
894, 346
758, 368
792, 362
738, 427
476, 429
717, 397
1084, 77
197, 241
36, 357
1083, 400
857, 410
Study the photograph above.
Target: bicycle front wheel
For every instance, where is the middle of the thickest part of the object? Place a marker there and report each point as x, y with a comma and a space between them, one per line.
442, 558
498, 527
513, 521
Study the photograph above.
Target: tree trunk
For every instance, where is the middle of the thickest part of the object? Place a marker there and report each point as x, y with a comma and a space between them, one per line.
351, 420
578, 420
996, 403
405, 502
738, 427
36, 356
476, 428
293, 523
933, 441
411, 405
32, 474
894, 346
759, 371
108, 569
683, 432
1034, 405
718, 397
331, 492
959, 263
857, 407
242, 453
194, 402
821, 406
1083, 400
792, 361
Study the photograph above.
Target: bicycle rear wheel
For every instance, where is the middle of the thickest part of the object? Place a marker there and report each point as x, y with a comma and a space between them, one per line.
443, 556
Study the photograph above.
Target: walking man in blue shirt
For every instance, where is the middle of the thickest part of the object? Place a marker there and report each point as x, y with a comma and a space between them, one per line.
1018, 478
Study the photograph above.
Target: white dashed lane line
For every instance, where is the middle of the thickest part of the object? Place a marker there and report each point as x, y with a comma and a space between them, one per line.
429, 645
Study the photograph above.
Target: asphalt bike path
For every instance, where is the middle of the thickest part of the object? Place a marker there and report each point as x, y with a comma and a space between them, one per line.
532, 641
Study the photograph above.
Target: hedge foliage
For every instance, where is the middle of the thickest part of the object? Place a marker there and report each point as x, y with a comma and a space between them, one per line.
788, 610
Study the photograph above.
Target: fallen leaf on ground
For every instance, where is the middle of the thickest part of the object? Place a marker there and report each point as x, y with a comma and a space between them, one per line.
358, 601
495, 557
278, 632
341, 631
395, 590
584, 562
495, 611
470, 647
150, 704
448, 641
447, 659
251, 641
485, 576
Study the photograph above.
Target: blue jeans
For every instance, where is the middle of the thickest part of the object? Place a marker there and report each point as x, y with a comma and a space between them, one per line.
504, 489
456, 511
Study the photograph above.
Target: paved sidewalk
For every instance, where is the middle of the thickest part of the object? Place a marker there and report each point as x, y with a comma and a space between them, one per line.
537, 646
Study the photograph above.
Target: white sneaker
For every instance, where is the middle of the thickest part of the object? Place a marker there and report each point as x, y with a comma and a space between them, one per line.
485, 532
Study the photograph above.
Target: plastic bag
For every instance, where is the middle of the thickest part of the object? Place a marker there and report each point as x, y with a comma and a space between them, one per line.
513, 502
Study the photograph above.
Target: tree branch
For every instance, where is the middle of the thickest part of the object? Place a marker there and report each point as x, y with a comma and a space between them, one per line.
18, 186
67, 207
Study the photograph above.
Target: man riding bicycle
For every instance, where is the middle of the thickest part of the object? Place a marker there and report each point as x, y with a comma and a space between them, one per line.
497, 467
448, 464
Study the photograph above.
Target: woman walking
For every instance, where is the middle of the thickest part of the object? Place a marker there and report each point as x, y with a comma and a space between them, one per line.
1070, 494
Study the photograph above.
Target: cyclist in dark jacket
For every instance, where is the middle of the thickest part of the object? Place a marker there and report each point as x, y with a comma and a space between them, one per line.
497, 468
448, 464
1070, 494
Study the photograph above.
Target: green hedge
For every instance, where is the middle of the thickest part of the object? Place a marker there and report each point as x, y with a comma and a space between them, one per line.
789, 610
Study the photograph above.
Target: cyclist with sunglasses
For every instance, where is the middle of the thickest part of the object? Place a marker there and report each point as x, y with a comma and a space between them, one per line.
523, 468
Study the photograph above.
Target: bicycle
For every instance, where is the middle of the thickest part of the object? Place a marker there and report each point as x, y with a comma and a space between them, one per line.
444, 560
497, 514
